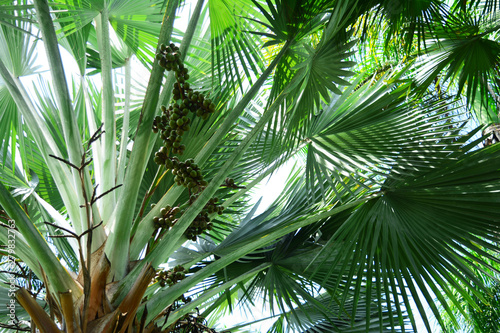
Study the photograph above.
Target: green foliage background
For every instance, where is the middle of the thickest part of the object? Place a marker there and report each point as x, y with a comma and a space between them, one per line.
387, 107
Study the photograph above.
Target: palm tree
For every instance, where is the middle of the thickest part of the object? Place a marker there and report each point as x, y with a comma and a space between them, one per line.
393, 201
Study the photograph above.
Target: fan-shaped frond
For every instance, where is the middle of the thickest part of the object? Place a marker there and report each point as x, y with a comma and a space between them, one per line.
400, 234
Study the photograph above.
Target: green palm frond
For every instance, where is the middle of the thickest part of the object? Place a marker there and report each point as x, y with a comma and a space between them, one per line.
235, 56
287, 282
391, 205
47, 106
410, 20
355, 136
305, 57
401, 245
468, 317
9, 122
290, 20
309, 320
140, 29
13, 12
470, 60
311, 83
31, 189
324, 69
32, 161
46, 186
462, 59
483, 6
75, 27
18, 51
82, 12
119, 54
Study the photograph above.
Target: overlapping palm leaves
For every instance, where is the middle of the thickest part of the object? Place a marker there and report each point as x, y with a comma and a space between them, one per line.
459, 41
385, 229
469, 54
394, 197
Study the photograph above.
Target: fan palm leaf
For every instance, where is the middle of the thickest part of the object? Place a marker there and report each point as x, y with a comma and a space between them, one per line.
392, 205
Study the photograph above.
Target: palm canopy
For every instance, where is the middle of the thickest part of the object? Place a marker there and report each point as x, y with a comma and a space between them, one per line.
379, 103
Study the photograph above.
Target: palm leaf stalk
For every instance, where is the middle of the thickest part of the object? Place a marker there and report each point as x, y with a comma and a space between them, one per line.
393, 202
42, 137
68, 120
59, 278
125, 127
109, 162
124, 209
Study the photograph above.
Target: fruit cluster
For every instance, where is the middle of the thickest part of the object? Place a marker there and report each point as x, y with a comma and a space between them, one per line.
174, 120
229, 183
169, 58
172, 124
161, 156
171, 276
212, 207
188, 174
202, 221
199, 104
167, 218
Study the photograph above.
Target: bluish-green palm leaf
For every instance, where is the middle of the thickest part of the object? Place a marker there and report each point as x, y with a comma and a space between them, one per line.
288, 284
120, 52
471, 60
291, 20
294, 207
355, 137
31, 159
19, 54
47, 187
75, 26
423, 232
75, 18
47, 106
235, 55
258, 157
409, 20
282, 282
33, 192
314, 78
309, 320
17, 50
